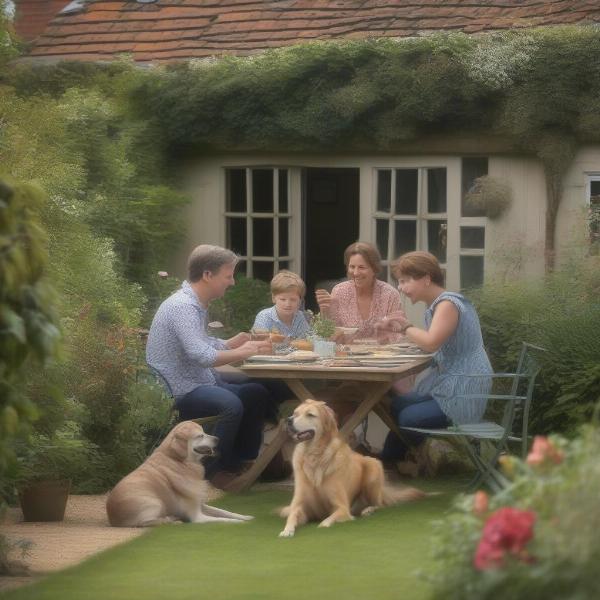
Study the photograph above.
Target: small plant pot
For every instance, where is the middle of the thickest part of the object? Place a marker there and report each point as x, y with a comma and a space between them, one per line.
45, 500
324, 348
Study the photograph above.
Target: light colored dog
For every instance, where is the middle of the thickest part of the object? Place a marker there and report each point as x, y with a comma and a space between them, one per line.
332, 483
169, 486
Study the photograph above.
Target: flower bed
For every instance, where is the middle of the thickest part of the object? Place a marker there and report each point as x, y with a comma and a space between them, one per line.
537, 538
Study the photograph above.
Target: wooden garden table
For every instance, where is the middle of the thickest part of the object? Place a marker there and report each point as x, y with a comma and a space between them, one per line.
375, 382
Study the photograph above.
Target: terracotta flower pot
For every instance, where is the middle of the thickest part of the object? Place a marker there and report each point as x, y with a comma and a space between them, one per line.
45, 500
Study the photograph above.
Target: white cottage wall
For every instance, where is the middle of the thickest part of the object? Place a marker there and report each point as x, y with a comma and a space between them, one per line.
572, 230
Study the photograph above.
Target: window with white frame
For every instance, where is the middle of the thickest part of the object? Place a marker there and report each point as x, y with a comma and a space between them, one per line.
257, 219
412, 213
593, 201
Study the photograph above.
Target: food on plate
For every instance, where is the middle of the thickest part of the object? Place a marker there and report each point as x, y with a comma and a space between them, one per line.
276, 336
302, 344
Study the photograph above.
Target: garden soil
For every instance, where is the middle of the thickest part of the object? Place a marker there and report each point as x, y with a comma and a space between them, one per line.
54, 546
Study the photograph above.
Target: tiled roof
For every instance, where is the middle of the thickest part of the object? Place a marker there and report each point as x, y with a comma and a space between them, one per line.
33, 16
167, 30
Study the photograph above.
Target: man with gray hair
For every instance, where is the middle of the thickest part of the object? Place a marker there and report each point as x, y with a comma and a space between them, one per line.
181, 350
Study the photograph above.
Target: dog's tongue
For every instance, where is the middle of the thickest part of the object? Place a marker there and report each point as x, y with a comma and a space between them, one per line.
305, 435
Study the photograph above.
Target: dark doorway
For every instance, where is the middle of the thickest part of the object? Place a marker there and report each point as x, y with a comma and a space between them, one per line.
331, 222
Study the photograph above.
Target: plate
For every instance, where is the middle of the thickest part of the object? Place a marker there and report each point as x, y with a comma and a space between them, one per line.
269, 358
382, 364
347, 330
302, 356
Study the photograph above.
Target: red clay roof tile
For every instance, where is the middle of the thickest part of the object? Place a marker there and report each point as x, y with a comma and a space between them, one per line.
178, 29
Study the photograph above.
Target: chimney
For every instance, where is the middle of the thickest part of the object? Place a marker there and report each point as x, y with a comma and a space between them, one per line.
32, 16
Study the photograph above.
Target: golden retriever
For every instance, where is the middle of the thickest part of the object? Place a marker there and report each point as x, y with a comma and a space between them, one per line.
332, 483
169, 486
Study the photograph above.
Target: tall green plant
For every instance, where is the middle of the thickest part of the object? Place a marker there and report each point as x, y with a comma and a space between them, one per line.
27, 324
562, 314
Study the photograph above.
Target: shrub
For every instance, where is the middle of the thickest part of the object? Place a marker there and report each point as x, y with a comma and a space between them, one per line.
536, 539
561, 314
238, 308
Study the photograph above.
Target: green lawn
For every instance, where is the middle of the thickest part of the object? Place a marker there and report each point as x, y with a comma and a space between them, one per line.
372, 558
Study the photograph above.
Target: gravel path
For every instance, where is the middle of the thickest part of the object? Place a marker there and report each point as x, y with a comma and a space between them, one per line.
54, 546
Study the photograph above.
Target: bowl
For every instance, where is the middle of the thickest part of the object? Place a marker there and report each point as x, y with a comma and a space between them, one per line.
346, 330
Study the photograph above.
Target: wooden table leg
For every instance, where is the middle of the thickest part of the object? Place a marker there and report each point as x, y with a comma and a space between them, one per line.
245, 480
372, 395
301, 391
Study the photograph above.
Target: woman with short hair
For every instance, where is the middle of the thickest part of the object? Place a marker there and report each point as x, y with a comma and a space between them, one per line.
452, 331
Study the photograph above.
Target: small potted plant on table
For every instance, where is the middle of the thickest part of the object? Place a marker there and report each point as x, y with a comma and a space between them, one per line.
323, 329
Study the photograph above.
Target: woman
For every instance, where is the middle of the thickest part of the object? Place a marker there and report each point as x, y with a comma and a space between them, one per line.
363, 300
453, 333
360, 302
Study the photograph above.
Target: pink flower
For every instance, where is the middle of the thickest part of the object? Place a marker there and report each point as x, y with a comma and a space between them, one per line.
163, 274
507, 531
543, 452
480, 503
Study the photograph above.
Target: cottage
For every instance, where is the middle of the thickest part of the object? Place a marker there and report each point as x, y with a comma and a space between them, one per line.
297, 206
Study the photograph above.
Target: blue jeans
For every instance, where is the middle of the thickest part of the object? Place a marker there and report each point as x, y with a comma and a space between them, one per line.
278, 390
412, 410
242, 410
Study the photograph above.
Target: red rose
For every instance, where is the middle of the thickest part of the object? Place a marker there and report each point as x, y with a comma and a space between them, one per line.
507, 531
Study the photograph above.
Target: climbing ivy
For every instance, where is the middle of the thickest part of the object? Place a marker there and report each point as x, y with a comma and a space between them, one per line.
537, 88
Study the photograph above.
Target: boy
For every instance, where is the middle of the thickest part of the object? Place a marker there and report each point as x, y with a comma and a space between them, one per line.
287, 292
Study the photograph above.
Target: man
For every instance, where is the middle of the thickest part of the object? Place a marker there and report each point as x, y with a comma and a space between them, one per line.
180, 349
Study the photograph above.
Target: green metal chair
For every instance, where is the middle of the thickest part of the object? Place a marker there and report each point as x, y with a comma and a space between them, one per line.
506, 419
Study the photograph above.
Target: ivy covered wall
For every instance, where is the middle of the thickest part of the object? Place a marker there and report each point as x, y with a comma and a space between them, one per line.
539, 89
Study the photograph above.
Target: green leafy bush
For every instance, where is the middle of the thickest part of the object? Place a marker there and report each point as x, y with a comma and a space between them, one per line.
238, 308
562, 314
558, 488
27, 323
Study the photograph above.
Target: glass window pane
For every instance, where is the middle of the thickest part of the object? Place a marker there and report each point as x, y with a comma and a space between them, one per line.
406, 237
283, 190
436, 190
437, 239
384, 190
262, 270
472, 237
284, 237
472, 168
407, 184
262, 237
236, 190
236, 235
384, 273
382, 235
471, 271
284, 264
262, 190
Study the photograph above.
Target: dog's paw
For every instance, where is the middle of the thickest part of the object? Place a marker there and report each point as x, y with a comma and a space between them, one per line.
246, 517
286, 533
365, 512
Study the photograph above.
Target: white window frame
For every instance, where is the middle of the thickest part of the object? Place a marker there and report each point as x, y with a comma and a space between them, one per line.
452, 216
249, 258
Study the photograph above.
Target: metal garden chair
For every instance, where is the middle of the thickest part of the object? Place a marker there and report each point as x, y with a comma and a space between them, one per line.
501, 424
